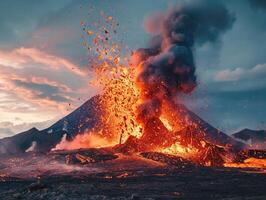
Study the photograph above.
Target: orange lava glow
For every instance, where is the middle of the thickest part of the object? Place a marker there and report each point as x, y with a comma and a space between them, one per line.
248, 163
84, 141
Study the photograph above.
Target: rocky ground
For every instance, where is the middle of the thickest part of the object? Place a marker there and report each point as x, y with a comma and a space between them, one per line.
146, 176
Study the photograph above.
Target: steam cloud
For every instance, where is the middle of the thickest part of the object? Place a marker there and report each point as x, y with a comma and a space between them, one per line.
167, 66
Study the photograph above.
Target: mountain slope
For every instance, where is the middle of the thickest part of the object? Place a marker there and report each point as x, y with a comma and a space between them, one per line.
84, 119
257, 138
21, 142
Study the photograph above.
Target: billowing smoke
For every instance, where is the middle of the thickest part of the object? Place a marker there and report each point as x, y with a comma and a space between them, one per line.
167, 67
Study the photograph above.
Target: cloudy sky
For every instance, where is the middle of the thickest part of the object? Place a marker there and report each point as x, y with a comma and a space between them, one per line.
43, 64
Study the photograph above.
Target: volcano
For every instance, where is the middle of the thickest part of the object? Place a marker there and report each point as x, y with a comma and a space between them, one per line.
86, 118
212, 146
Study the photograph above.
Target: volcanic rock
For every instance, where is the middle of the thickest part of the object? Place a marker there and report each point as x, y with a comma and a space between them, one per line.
257, 138
176, 161
156, 135
84, 156
131, 145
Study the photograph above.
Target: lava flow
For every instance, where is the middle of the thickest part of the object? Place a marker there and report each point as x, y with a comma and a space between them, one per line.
140, 106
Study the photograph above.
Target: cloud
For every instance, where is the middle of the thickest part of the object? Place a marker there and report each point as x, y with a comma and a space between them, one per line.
18, 57
18, 19
258, 71
52, 61
8, 128
42, 90
38, 86
39, 77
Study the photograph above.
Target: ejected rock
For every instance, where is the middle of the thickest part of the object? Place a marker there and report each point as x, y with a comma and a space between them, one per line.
176, 161
84, 156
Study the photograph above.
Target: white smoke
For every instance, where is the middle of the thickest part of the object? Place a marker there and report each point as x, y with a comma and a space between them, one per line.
32, 148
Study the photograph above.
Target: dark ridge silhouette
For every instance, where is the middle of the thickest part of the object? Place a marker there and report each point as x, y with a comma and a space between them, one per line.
257, 138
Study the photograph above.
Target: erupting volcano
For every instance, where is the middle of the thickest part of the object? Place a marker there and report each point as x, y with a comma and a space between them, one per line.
139, 109
138, 121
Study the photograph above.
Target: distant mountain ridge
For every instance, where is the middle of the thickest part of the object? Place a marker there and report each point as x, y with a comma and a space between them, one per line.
84, 119
256, 138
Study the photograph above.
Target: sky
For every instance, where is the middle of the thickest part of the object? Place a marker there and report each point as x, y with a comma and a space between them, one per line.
43, 63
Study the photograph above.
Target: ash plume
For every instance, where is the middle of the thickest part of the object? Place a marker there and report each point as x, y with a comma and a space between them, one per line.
167, 67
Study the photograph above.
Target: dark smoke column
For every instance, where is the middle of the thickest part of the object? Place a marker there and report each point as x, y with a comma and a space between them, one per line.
166, 67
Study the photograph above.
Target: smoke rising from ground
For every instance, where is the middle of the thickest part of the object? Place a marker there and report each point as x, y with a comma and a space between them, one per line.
32, 148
